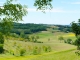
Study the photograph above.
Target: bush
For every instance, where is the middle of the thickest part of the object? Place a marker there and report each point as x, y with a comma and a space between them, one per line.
18, 52
1, 38
49, 49
69, 41
14, 35
1, 48
36, 50
61, 38
22, 52
35, 40
46, 48
65, 41
77, 42
39, 42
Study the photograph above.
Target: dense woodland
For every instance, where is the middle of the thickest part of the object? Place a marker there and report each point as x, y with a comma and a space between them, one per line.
30, 28
64, 28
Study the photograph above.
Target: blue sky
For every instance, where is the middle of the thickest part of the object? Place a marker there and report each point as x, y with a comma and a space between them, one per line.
63, 12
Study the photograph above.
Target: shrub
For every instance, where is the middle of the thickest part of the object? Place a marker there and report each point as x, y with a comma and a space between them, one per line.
19, 52
1, 38
11, 52
1, 48
65, 41
22, 52
69, 41
46, 48
14, 35
16, 52
36, 50
39, 42
61, 38
77, 52
37, 37
35, 40
77, 42
49, 49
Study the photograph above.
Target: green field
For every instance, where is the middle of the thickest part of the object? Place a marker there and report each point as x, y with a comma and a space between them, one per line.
60, 50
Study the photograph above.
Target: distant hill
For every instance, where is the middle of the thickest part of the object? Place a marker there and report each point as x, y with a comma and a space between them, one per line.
30, 28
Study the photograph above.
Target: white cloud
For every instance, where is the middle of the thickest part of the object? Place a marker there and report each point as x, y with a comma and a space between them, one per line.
75, 3
31, 9
56, 10
53, 10
70, 2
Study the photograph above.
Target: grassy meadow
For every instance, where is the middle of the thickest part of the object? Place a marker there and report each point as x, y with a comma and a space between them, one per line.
59, 50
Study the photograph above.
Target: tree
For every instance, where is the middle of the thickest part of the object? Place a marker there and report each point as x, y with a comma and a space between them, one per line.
11, 12
77, 42
69, 41
15, 12
43, 4
22, 34
76, 29
61, 38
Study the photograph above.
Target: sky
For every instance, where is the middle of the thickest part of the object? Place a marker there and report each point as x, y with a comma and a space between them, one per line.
63, 12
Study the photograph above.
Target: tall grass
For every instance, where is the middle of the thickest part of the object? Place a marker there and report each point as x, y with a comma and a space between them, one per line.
52, 45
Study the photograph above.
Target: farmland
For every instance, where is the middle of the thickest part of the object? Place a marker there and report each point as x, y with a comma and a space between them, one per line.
59, 50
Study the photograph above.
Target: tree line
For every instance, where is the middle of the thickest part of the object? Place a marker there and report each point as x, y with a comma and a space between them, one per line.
28, 28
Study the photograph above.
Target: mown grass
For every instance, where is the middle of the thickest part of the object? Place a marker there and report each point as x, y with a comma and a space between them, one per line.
66, 55
61, 55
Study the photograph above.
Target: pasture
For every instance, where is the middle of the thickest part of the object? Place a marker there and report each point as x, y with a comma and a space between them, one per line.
59, 50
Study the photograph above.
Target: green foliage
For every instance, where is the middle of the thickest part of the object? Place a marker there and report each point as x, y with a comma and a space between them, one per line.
27, 37
43, 4
32, 38
12, 13
9, 13
77, 42
77, 52
18, 51
22, 34
5, 26
49, 49
61, 38
69, 41
35, 50
28, 28
1, 48
64, 28
37, 37
75, 28
46, 48
1, 38
14, 35
22, 52
65, 41
39, 42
